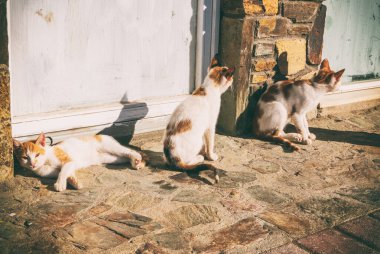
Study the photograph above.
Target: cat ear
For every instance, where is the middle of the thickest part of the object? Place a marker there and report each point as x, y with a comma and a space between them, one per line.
339, 74
215, 61
41, 140
325, 64
16, 144
231, 71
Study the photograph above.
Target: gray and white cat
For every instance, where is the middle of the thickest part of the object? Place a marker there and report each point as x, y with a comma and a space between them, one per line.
287, 101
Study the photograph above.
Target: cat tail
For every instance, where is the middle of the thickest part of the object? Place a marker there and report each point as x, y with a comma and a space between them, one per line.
277, 138
200, 167
176, 162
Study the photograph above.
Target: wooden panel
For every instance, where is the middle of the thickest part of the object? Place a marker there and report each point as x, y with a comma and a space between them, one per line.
67, 54
352, 38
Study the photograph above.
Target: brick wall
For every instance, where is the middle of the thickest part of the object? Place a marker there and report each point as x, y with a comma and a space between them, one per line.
287, 41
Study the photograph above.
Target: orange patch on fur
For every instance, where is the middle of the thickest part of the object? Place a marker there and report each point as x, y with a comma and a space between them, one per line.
91, 138
216, 74
180, 127
30, 146
61, 155
324, 76
200, 91
98, 138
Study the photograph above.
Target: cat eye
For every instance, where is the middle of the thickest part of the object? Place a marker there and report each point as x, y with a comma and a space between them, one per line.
25, 157
37, 155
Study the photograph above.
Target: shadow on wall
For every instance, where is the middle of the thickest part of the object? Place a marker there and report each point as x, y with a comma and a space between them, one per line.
123, 128
244, 121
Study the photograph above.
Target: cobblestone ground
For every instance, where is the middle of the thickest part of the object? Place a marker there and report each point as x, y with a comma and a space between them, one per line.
323, 199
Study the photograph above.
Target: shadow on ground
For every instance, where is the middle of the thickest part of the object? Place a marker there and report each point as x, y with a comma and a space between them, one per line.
352, 137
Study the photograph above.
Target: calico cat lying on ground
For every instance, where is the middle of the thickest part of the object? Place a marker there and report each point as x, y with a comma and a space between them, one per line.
287, 101
190, 133
64, 158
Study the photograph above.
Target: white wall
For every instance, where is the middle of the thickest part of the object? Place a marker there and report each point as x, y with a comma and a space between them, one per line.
72, 53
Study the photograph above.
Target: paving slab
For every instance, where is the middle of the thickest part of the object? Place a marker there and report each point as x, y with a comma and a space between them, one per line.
365, 229
330, 241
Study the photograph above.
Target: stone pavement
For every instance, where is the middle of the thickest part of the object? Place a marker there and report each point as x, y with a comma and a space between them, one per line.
323, 199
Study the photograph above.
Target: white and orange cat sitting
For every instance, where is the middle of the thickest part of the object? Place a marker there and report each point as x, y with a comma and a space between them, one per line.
190, 132
63, 159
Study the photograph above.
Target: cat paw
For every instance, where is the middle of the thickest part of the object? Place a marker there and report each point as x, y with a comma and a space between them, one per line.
73, 181
60, 186
198, 159
137, 161
312, 136
307, 141
213, 157
298, 138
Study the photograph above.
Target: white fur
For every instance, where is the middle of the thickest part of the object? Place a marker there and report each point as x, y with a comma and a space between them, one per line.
203, 113
276, 113
82, 152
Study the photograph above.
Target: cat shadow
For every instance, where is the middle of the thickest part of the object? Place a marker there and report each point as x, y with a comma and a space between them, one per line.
352, 137
157, 164
244, 121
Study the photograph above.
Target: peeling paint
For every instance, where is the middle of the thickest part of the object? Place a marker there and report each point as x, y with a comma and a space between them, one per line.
49, 17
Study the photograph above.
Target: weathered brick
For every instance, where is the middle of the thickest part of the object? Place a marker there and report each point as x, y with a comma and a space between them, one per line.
315, 39
300, 11
258, 78
270, 6
308, 75
287, 249
264, 64
272, 26
253, 7
243, 7
333, 242
365, 228
299, 29
291, 55
6, 151
263, 49
235, 48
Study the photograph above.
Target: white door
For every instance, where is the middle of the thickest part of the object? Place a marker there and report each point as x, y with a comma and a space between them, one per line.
352, 38
352, 41
90, 63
